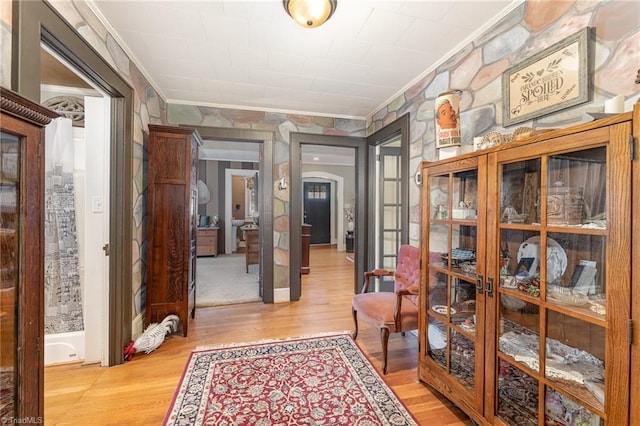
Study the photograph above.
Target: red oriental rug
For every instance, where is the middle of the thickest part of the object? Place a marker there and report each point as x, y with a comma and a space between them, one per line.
318, 380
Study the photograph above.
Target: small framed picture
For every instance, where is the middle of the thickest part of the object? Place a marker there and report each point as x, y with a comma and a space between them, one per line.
527, 266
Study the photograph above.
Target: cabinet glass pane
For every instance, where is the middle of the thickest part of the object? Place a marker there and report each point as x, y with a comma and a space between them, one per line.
520, 183
465, 195
463, 304
576, 189
438, 295
575, 353
463, 359
582, 285
560, 410
439, 197
517, 396
437, 338
438, 246
9, 223
519, 261
519, 331
463, 248
438, 243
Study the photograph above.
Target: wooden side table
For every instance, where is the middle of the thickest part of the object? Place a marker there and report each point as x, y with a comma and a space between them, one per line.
252, 247
207, 242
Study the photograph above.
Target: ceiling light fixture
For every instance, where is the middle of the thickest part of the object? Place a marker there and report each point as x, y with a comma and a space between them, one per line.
310, 13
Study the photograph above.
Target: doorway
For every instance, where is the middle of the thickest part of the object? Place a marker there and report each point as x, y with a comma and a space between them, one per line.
231, 173
37, 24
76, 217
298, 143
317, 198
242, 150
240, 206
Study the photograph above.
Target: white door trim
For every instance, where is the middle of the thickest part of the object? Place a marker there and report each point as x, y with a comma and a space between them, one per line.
228, 173
340, 200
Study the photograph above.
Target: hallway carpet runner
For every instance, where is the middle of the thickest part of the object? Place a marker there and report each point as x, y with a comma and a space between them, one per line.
317, 380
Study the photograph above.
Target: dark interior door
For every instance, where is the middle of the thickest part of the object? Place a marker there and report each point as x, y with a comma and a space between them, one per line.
317, 211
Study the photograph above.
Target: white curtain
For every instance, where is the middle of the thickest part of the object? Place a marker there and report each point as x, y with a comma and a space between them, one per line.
63, 293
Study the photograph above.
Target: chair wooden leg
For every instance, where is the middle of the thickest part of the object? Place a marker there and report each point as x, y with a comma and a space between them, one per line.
355, 321
384, 338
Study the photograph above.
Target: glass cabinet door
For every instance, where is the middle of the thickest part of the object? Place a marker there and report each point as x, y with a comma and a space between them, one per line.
9, 290
557, 284
452, 309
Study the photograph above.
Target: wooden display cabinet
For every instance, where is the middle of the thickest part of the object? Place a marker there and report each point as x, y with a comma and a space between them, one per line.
21, 257
172, 201
526, 313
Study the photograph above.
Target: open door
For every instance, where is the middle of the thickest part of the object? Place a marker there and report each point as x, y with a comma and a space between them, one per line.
388, 203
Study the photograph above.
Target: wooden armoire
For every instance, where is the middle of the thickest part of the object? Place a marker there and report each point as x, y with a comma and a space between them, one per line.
172, 201
21, 257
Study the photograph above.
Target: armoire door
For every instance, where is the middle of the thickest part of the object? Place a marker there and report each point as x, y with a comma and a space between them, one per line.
453, 305
558, 253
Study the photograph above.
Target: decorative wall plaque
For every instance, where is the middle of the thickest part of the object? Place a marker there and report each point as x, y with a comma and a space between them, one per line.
551, 80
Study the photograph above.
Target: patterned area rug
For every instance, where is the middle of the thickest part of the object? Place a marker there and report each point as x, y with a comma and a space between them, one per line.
318, 380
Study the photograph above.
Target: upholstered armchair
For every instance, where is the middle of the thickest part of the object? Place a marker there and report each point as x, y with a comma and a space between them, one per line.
395, 312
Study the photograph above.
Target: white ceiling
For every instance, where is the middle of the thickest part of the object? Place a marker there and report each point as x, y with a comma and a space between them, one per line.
252, 55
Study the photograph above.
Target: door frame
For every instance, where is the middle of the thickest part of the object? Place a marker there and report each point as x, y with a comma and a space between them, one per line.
36, 22
295, 199
228, 211
265, 183
398, 127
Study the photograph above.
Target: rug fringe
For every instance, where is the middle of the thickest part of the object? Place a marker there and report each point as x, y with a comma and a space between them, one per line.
275, 339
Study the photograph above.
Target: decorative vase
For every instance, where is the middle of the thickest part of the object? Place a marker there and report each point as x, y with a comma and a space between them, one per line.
350, 226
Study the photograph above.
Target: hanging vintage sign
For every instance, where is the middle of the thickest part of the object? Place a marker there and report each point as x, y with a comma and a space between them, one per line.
447, 113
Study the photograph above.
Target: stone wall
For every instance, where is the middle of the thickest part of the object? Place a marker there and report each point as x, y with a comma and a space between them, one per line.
281, 125
476, 70
148, 107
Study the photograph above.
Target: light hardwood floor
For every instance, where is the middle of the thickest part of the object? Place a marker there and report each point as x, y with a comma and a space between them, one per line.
139, 392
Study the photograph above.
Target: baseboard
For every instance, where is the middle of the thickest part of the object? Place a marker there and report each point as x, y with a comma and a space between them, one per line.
281, 295
137, 326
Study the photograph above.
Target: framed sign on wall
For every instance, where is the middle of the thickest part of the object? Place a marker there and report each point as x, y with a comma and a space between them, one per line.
554, 79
